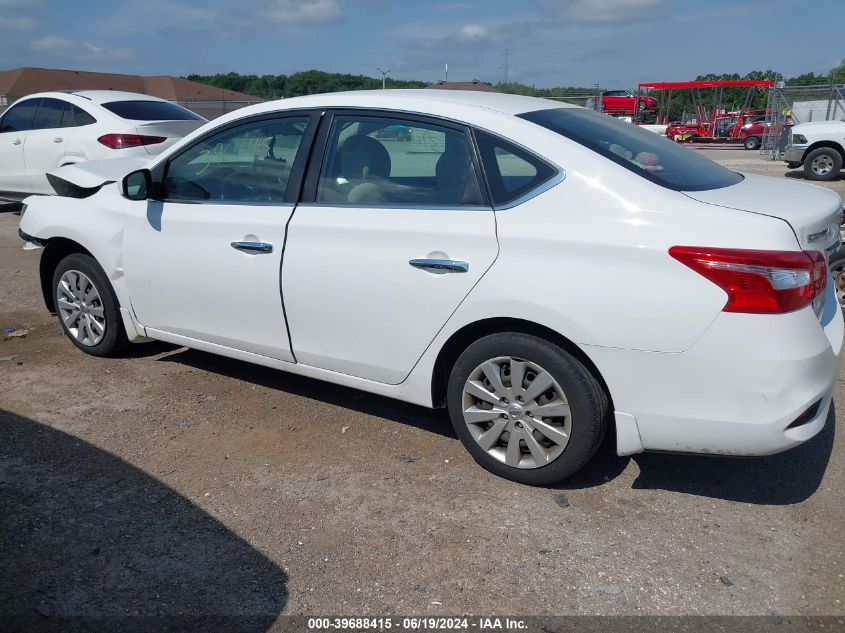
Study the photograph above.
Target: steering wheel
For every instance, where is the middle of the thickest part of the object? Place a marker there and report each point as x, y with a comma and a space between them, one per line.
233, 187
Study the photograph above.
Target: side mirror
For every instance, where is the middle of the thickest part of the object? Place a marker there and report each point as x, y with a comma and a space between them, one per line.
137, 185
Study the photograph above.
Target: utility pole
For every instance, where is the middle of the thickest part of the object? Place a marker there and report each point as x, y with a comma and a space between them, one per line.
383, 77
447, 72
506, 65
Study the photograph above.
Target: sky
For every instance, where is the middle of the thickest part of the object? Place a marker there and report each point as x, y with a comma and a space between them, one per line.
615, 43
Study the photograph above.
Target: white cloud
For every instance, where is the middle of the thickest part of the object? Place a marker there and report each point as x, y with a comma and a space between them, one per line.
472, 33
301, 12
64, 48
603, 10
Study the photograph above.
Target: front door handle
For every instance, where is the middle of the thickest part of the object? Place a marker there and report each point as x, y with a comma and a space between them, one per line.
440, 265
17, 141
253, 247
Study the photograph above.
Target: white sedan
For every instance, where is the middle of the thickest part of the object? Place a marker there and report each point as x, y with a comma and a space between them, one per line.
543, 271
44, 131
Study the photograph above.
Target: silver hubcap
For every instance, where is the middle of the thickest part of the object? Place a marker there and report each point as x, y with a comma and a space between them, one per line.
839, 280
517, 412
822, 165
80, 308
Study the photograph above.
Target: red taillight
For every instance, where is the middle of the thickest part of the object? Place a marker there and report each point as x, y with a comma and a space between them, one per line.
760, 282
119, 141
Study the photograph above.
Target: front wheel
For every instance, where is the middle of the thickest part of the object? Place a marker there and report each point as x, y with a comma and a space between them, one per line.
87, 307
837, 271
526, 409
823, 163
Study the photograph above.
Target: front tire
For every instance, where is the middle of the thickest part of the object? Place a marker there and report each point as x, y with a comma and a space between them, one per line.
823, 163
526, 409
837, 271
87, 306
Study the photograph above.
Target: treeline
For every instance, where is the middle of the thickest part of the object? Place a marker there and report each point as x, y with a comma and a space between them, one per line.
317, 81
301, 83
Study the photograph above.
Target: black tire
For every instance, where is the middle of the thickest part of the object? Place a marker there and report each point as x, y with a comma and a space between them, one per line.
830, 154
837, 271
587, 401
114, 338
751, 142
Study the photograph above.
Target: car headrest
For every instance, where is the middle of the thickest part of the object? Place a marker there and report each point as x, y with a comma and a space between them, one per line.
363, 157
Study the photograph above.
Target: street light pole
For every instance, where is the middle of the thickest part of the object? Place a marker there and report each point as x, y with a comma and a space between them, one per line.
383, 77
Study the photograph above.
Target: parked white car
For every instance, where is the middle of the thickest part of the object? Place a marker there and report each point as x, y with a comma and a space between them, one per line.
468, 262
818, 146
44, 131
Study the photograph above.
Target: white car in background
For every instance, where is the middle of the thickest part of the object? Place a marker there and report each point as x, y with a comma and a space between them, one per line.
468, 262
819, 146
45, 131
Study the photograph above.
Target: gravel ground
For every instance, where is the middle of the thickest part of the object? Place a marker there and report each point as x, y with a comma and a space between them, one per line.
174, 481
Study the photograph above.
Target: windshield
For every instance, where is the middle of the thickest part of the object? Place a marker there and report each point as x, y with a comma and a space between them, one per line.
150, 111
650, 155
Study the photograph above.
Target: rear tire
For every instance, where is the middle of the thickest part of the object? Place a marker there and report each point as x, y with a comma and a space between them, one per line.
511, 430
751, 143
823, 164
87, 306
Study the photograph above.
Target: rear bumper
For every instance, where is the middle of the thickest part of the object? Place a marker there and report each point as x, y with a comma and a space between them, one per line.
738, 390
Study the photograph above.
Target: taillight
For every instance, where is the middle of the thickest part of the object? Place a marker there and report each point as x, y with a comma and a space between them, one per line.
119, 141
760, 282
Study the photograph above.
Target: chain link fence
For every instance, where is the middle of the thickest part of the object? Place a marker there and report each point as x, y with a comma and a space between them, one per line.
791, 105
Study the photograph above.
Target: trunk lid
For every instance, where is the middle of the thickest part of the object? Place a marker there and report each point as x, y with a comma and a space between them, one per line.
813, 212
172, 130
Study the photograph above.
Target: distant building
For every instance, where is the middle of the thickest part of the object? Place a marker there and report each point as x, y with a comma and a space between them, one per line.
480, 86
203, 99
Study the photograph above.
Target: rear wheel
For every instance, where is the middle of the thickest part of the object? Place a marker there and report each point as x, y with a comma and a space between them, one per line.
87, 307
751, 142
823, 163
526, 409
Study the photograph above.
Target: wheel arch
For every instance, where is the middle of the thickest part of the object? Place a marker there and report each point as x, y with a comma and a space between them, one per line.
819, 144
462, 338
56, 249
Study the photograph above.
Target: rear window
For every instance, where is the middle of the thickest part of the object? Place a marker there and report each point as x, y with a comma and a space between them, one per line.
150, 111
645, 153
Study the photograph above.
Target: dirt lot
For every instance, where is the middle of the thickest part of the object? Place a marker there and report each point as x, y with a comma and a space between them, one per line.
175, 482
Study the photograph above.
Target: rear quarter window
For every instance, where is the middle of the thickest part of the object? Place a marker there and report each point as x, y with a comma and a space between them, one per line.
512, 172
150, 111
645, 153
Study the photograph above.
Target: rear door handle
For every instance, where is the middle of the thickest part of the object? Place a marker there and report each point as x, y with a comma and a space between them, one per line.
17, 141
253, 247
440, 265
58, 139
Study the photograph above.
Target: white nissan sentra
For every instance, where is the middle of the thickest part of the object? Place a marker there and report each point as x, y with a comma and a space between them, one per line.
543, 271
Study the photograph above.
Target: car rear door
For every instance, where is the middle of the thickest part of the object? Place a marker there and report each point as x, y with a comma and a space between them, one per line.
204, 262
15, 125
392, 234
46, 142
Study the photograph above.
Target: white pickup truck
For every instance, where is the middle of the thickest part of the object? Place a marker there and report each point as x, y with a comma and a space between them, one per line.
818, 146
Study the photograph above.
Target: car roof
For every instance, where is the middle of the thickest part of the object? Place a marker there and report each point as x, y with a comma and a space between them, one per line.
96, 96
406, 100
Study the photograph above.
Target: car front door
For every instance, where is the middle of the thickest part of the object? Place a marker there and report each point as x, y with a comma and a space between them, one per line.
204, 262
45, 143
15, 124
393, 232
